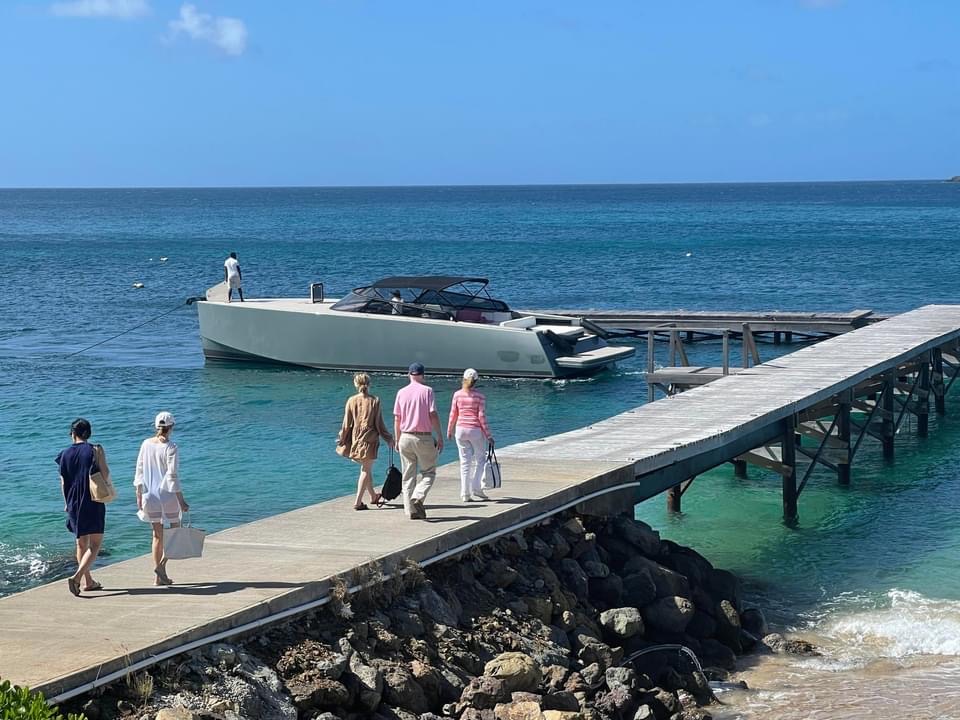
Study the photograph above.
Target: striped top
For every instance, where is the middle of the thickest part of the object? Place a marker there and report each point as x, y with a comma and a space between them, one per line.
468, 410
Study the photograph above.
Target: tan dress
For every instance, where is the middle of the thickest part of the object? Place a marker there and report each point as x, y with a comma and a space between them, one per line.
362, 427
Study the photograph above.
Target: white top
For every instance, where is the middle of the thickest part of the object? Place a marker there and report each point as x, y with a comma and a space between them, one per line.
233, 267
158, 466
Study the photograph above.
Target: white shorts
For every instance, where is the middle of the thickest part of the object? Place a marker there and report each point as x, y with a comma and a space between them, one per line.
234, 282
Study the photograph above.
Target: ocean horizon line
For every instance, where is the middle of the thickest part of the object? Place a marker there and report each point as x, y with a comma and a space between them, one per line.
428, 186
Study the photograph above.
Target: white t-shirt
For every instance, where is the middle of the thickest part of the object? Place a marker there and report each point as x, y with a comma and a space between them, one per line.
233, 267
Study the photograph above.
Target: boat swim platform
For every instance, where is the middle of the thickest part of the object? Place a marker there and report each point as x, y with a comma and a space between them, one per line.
281, 566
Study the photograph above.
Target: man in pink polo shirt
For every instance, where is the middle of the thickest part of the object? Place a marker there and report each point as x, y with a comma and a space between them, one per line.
415, 420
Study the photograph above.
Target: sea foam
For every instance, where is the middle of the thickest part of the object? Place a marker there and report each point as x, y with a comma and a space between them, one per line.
907, 624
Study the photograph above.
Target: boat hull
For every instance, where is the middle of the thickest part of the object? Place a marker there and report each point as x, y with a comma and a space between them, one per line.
311, 335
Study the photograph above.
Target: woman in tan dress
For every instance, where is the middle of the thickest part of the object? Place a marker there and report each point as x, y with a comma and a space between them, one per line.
360, 435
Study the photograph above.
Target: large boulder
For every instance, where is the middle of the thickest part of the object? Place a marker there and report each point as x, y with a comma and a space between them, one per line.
639, 589
521, 710
607, 591
667, 582
311, 693
436, 608
754, 622
639, 534
400, 687
574, 578
728, 626
724, 585
484, 693
368, 682
623, 622
518, 672
671, 614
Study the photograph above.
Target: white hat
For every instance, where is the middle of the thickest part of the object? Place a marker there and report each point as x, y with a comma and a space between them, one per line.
470, 374
164, 419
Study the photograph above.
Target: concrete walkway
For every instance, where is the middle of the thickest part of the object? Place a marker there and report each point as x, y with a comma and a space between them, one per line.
55, 643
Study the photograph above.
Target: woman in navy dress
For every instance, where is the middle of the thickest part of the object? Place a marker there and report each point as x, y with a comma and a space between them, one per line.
85, 517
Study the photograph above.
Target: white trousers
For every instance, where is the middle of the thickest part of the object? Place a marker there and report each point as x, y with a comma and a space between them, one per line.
417, 453
472, 445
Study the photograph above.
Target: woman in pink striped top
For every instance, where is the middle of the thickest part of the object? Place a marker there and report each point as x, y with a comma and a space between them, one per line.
468, 419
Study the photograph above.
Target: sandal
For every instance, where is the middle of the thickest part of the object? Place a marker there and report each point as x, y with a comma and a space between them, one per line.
93, 588
377, 500
361, 506
74, 586
162, 578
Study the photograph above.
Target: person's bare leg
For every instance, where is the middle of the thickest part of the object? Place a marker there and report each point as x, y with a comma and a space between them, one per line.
366, 481
240, 293
95, 542
83, 542
159, 563
91, 545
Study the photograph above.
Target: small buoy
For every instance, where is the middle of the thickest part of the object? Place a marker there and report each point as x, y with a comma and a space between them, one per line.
163, 259
688, 255
138, 285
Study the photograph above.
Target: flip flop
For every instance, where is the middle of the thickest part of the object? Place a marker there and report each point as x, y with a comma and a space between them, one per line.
96, 586
361, 506
74, 586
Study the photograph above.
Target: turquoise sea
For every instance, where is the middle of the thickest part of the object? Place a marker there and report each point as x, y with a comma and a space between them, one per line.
871, 567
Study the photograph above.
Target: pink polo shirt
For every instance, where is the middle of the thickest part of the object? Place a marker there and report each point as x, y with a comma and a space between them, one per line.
413, 406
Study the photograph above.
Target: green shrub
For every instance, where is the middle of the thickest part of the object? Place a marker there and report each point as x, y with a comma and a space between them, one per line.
17, 703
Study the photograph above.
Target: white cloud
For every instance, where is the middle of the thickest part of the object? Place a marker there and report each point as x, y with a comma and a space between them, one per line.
226, 33
122, 9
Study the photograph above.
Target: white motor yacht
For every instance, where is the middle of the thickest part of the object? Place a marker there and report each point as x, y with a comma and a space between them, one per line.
446, 323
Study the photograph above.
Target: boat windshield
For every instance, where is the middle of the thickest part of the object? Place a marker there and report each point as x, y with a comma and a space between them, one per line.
440, 298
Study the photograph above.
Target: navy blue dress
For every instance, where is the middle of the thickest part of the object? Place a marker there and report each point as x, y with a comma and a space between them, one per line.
84, 516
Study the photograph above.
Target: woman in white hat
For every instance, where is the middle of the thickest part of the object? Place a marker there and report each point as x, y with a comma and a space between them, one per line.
159, 498
468, 421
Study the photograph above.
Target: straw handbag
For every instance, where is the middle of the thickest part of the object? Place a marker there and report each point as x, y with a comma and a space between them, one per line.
101, 486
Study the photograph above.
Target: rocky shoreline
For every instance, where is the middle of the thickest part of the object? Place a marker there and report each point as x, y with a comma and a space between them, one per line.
577, 618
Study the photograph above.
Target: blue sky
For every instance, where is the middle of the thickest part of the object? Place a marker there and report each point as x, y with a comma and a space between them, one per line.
394, 92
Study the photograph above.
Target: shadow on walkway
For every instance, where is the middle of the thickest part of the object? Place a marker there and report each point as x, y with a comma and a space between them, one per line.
212, 588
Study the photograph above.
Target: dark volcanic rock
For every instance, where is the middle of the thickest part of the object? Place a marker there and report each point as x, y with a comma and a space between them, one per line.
672, 614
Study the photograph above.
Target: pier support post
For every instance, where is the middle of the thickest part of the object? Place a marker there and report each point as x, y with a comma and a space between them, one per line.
923, 401
651, 350
938, 386
788, 458
675, 495
739, 469
788, 337
888, 428
675, 499
843, 434
776, 337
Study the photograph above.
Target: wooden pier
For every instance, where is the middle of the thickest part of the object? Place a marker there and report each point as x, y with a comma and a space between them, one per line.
854, 388
774, 326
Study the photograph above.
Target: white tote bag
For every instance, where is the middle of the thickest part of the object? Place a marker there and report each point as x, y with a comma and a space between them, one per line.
491, 472
184, 542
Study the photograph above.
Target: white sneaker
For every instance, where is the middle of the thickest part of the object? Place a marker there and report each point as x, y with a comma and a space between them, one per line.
480, 496
466, 498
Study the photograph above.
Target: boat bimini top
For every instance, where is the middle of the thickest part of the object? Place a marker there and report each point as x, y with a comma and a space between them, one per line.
437, 297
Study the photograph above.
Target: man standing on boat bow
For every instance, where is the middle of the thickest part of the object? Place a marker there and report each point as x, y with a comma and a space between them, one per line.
232, 276
415, 421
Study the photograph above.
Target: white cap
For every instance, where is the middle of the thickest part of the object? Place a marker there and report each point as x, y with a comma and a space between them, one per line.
164, 419
470, 374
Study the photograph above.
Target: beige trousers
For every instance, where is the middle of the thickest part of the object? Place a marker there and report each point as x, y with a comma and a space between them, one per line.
417, 454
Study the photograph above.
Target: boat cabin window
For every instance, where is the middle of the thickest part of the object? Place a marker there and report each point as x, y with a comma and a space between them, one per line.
438, 303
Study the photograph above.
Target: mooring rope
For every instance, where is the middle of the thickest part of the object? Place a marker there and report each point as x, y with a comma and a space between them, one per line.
188, 301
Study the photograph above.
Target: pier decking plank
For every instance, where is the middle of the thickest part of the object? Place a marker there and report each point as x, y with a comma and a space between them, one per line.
58, 643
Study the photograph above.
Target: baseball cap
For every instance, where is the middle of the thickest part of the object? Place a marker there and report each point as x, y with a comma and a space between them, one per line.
164, 419
417, 368
470, 374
